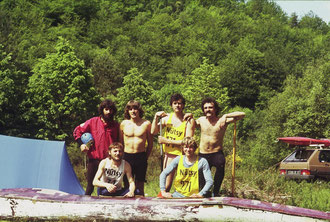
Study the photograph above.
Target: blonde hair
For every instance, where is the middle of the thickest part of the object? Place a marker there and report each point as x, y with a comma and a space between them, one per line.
116, 145
189, 142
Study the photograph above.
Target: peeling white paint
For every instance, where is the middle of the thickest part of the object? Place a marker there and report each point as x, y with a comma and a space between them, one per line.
49, 204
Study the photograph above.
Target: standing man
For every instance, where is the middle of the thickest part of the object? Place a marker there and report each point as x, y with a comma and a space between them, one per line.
176, 128
110, 174
105, 131
213, 131
134, 133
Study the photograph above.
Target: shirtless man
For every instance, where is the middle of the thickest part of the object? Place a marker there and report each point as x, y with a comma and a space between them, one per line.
134, 133
176, 128
213, 131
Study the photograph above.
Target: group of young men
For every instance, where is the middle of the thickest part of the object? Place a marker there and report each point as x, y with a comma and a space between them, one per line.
123, 149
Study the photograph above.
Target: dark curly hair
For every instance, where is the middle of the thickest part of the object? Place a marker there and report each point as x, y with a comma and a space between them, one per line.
211, 100
176, 97
107, 103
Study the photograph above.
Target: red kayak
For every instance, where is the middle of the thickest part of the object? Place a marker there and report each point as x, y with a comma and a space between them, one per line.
304, 141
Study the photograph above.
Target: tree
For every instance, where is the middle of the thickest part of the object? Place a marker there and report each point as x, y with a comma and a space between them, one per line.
242, 72
204, 82
136, 88
107, 75
12, 86
315, 23
302, 109
60, 93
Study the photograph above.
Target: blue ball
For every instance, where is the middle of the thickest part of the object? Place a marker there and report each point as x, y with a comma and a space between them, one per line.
86, 137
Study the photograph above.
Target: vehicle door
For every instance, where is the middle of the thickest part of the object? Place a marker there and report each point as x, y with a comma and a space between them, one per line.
323, 168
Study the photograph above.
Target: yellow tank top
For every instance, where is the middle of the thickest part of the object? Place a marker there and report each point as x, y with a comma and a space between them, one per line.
174, 133
186, 180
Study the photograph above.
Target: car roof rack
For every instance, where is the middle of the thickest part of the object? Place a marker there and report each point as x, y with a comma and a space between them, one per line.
321, 146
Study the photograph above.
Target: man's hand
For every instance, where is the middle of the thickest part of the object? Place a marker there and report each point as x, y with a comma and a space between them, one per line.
129, 194
162, 140
111, 188
84, 148
160, 114
188, 116
166, 194
196, 195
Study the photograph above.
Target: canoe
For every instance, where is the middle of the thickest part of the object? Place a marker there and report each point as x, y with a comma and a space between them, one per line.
45, 204
304, 141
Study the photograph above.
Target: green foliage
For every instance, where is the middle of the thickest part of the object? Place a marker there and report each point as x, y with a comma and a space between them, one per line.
239, 52
267, 185
163, 96
78, 161
107, 74
248, 55
241, 72
302, 109
315, 23
308, 195
135, 88
12, 85
60, 93
201, 83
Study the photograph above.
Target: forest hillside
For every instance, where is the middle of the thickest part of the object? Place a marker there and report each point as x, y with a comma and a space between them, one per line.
59, 58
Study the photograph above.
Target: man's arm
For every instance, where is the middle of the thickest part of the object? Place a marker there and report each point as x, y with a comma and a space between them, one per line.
162, 177
149, 140
121, 133
234, 116
128, 172
190, 128
154, 125
207, 176
78, 132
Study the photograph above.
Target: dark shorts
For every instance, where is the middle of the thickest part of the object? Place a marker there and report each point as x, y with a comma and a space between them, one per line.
138, 162
104, 192
217, 159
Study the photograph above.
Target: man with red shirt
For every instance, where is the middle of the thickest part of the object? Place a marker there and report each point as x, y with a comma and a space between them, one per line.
105, 131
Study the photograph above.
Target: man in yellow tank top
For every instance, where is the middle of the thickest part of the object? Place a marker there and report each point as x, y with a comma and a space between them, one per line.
175, 129
189, 168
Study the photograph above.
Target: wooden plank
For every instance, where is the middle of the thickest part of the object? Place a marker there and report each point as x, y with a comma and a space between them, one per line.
36, 203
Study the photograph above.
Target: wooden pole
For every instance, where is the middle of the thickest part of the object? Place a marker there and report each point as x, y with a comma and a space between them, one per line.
234, 163
161, 145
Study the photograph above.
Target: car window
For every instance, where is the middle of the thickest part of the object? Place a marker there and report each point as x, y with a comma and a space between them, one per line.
300, 155
324, 156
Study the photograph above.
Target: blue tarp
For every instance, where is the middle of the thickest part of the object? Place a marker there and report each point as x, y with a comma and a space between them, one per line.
31, 163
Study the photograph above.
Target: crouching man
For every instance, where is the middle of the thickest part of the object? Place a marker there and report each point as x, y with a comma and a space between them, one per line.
189, 168
110, 174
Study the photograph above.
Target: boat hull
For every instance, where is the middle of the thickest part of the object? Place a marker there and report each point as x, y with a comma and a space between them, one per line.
304, 141
36, 203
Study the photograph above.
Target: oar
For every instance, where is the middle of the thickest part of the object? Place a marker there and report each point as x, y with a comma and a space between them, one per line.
161, 145
234, 162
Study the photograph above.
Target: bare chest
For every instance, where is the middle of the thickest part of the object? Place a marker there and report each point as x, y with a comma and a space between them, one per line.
133, 130
208, 128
